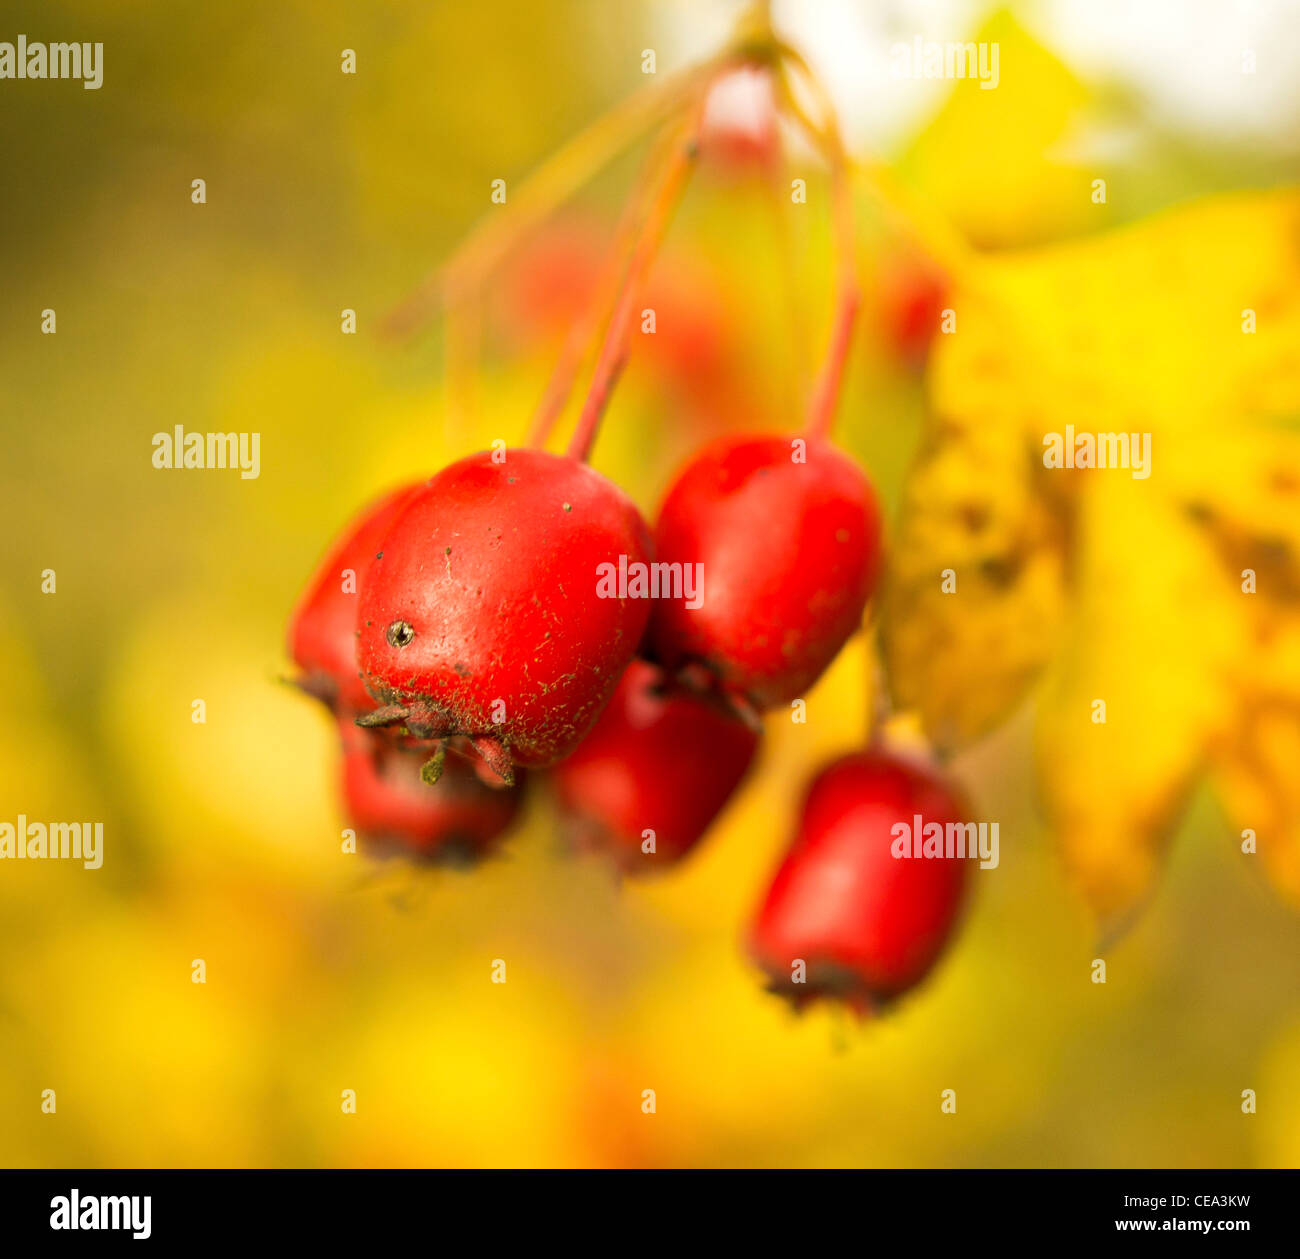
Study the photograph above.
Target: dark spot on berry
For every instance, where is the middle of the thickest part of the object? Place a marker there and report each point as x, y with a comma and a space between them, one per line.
400, 633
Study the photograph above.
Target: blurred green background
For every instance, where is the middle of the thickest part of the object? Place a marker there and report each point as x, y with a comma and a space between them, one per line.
327, 192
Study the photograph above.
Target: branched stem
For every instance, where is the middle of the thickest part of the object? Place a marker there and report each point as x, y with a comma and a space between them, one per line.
545, 190
646, 218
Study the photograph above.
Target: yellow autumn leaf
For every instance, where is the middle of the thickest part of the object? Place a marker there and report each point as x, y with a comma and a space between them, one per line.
1159, 602
1137, 691
1034, 190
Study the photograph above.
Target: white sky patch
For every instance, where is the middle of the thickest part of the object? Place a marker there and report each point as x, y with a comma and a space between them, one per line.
1184, 57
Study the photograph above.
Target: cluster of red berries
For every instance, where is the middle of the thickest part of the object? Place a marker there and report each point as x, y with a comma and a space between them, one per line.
460, 635
464, 631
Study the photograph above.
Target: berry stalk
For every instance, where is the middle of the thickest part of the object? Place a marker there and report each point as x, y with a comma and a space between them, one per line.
909, 214
683, 151
776, 189
825, 135
559, 387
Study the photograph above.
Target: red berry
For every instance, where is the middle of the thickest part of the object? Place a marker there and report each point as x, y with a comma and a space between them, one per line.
739, 133
656, 761
789, 553
555, 277
483, 616
868, 925
558, 277
913, 293
323, 627
393, 810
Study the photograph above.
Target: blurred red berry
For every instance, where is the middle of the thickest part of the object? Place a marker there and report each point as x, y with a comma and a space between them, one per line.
323, 627
866, 924
739, 134
658, 766
913, 293
557, 277
395, 812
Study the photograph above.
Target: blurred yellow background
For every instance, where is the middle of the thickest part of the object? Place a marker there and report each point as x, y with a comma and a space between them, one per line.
327, 192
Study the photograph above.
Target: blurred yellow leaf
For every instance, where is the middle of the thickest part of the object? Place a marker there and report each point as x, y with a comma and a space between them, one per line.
975, 589
1170, 594
1153, 618
1027, 193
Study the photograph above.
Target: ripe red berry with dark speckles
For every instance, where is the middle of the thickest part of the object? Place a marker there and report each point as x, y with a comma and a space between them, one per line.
395, 812
323, 627
788, 551
867, 924
658, 761
484, 616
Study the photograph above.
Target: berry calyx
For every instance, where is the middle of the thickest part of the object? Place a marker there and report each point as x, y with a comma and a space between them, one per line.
484, 615
396, 812
323, 626
866, 924
787, 534
656, 770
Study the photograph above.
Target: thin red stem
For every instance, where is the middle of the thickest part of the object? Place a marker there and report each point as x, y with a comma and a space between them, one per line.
777, 186
826, 395
559, 387
614, 348
827, 137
